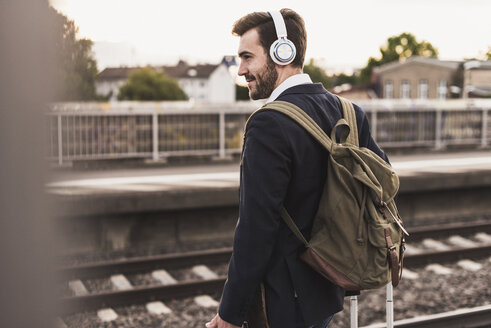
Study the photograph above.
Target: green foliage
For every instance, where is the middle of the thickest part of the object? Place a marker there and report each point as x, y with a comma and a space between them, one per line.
365, 75
398, 47
147, 84
344, 78
488, 54
76, 66
404, 46
317, 74
241, 92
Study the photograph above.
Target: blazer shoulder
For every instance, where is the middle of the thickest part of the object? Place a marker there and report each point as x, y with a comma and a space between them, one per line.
268, 119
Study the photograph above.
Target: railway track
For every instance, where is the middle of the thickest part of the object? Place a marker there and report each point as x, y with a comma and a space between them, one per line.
213, 284
478, 317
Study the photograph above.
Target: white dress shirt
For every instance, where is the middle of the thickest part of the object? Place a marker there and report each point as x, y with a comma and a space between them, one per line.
292, 81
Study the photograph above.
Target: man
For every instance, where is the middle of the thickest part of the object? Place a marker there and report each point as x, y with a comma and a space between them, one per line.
282, 166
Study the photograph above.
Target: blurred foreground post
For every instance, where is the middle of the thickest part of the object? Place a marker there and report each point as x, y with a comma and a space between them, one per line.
390, 306
354, 312
25, 89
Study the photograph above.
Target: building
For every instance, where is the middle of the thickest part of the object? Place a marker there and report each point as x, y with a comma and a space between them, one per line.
418, 78
203, 82
477, 79
111, 79
356, 92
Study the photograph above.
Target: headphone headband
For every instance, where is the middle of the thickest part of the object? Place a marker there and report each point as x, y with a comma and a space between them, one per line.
279, 23
282, 51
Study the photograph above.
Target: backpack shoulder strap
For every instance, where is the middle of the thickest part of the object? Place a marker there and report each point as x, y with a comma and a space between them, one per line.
350, 117
302, 118
299, 116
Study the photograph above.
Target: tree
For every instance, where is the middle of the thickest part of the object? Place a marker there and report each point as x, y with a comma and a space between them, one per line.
77, 68
241, 92
148, 84
317, 74
397, 47
342, 78
366, 72
488, 54
404, 46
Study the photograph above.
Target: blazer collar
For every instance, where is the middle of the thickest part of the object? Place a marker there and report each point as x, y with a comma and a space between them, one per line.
314, 88
292, 81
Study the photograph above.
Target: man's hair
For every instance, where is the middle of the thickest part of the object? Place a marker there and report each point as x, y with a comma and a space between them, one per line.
295, 27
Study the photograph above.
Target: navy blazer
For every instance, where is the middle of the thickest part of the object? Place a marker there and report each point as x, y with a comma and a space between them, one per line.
283, 165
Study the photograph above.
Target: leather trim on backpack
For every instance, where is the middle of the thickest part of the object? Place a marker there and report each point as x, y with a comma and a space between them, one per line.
402, 250
327, 271
392, 257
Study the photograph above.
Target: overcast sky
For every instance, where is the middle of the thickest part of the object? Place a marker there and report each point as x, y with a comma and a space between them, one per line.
342, 34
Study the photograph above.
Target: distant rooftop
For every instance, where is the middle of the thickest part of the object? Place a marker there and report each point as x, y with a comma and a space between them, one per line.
183, 70
478, 64
180, 71
229, 60
417, 59
116, 73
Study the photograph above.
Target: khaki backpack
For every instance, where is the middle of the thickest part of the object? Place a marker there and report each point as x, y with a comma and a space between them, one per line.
357, 238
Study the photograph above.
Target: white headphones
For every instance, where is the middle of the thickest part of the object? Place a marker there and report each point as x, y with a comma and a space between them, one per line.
282, 51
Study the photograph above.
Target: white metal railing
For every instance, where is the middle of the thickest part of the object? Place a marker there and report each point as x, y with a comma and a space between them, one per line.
85, 131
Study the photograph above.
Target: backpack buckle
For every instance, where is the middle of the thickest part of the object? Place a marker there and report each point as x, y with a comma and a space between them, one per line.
396, 220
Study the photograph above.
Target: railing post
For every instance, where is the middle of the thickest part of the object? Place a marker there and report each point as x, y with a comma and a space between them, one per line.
155, 136
60, 142
353, 312
221, 134
438, 129
374, 124
484, 128
390, 306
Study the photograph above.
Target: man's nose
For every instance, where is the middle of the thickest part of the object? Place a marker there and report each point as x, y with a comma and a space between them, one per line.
242, 69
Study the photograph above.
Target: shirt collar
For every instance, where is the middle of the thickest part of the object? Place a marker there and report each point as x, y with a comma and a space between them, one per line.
288, 83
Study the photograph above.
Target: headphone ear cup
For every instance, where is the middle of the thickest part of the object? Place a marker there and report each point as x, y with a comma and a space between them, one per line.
282, 51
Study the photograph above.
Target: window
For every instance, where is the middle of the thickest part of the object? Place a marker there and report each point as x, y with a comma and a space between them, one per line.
423, 89
388, 90
442, 89
405, 89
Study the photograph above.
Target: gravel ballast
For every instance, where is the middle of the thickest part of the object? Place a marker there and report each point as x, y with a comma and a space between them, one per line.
428, 294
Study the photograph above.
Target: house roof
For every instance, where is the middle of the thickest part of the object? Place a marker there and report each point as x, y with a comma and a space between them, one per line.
180, 71
477, 64
416, 59
116, 73
183, 70
229, 60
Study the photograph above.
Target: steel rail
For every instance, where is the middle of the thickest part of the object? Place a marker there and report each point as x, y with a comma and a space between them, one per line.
147, 263
138, 295
217, 256
72, 304
446, 256
478, 317
191, 288
445, 230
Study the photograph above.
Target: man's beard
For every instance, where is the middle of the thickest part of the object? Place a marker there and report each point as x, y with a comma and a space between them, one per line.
265, 82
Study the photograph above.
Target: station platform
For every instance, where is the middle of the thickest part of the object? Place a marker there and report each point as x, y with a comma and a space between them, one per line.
172, 188
170, 207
